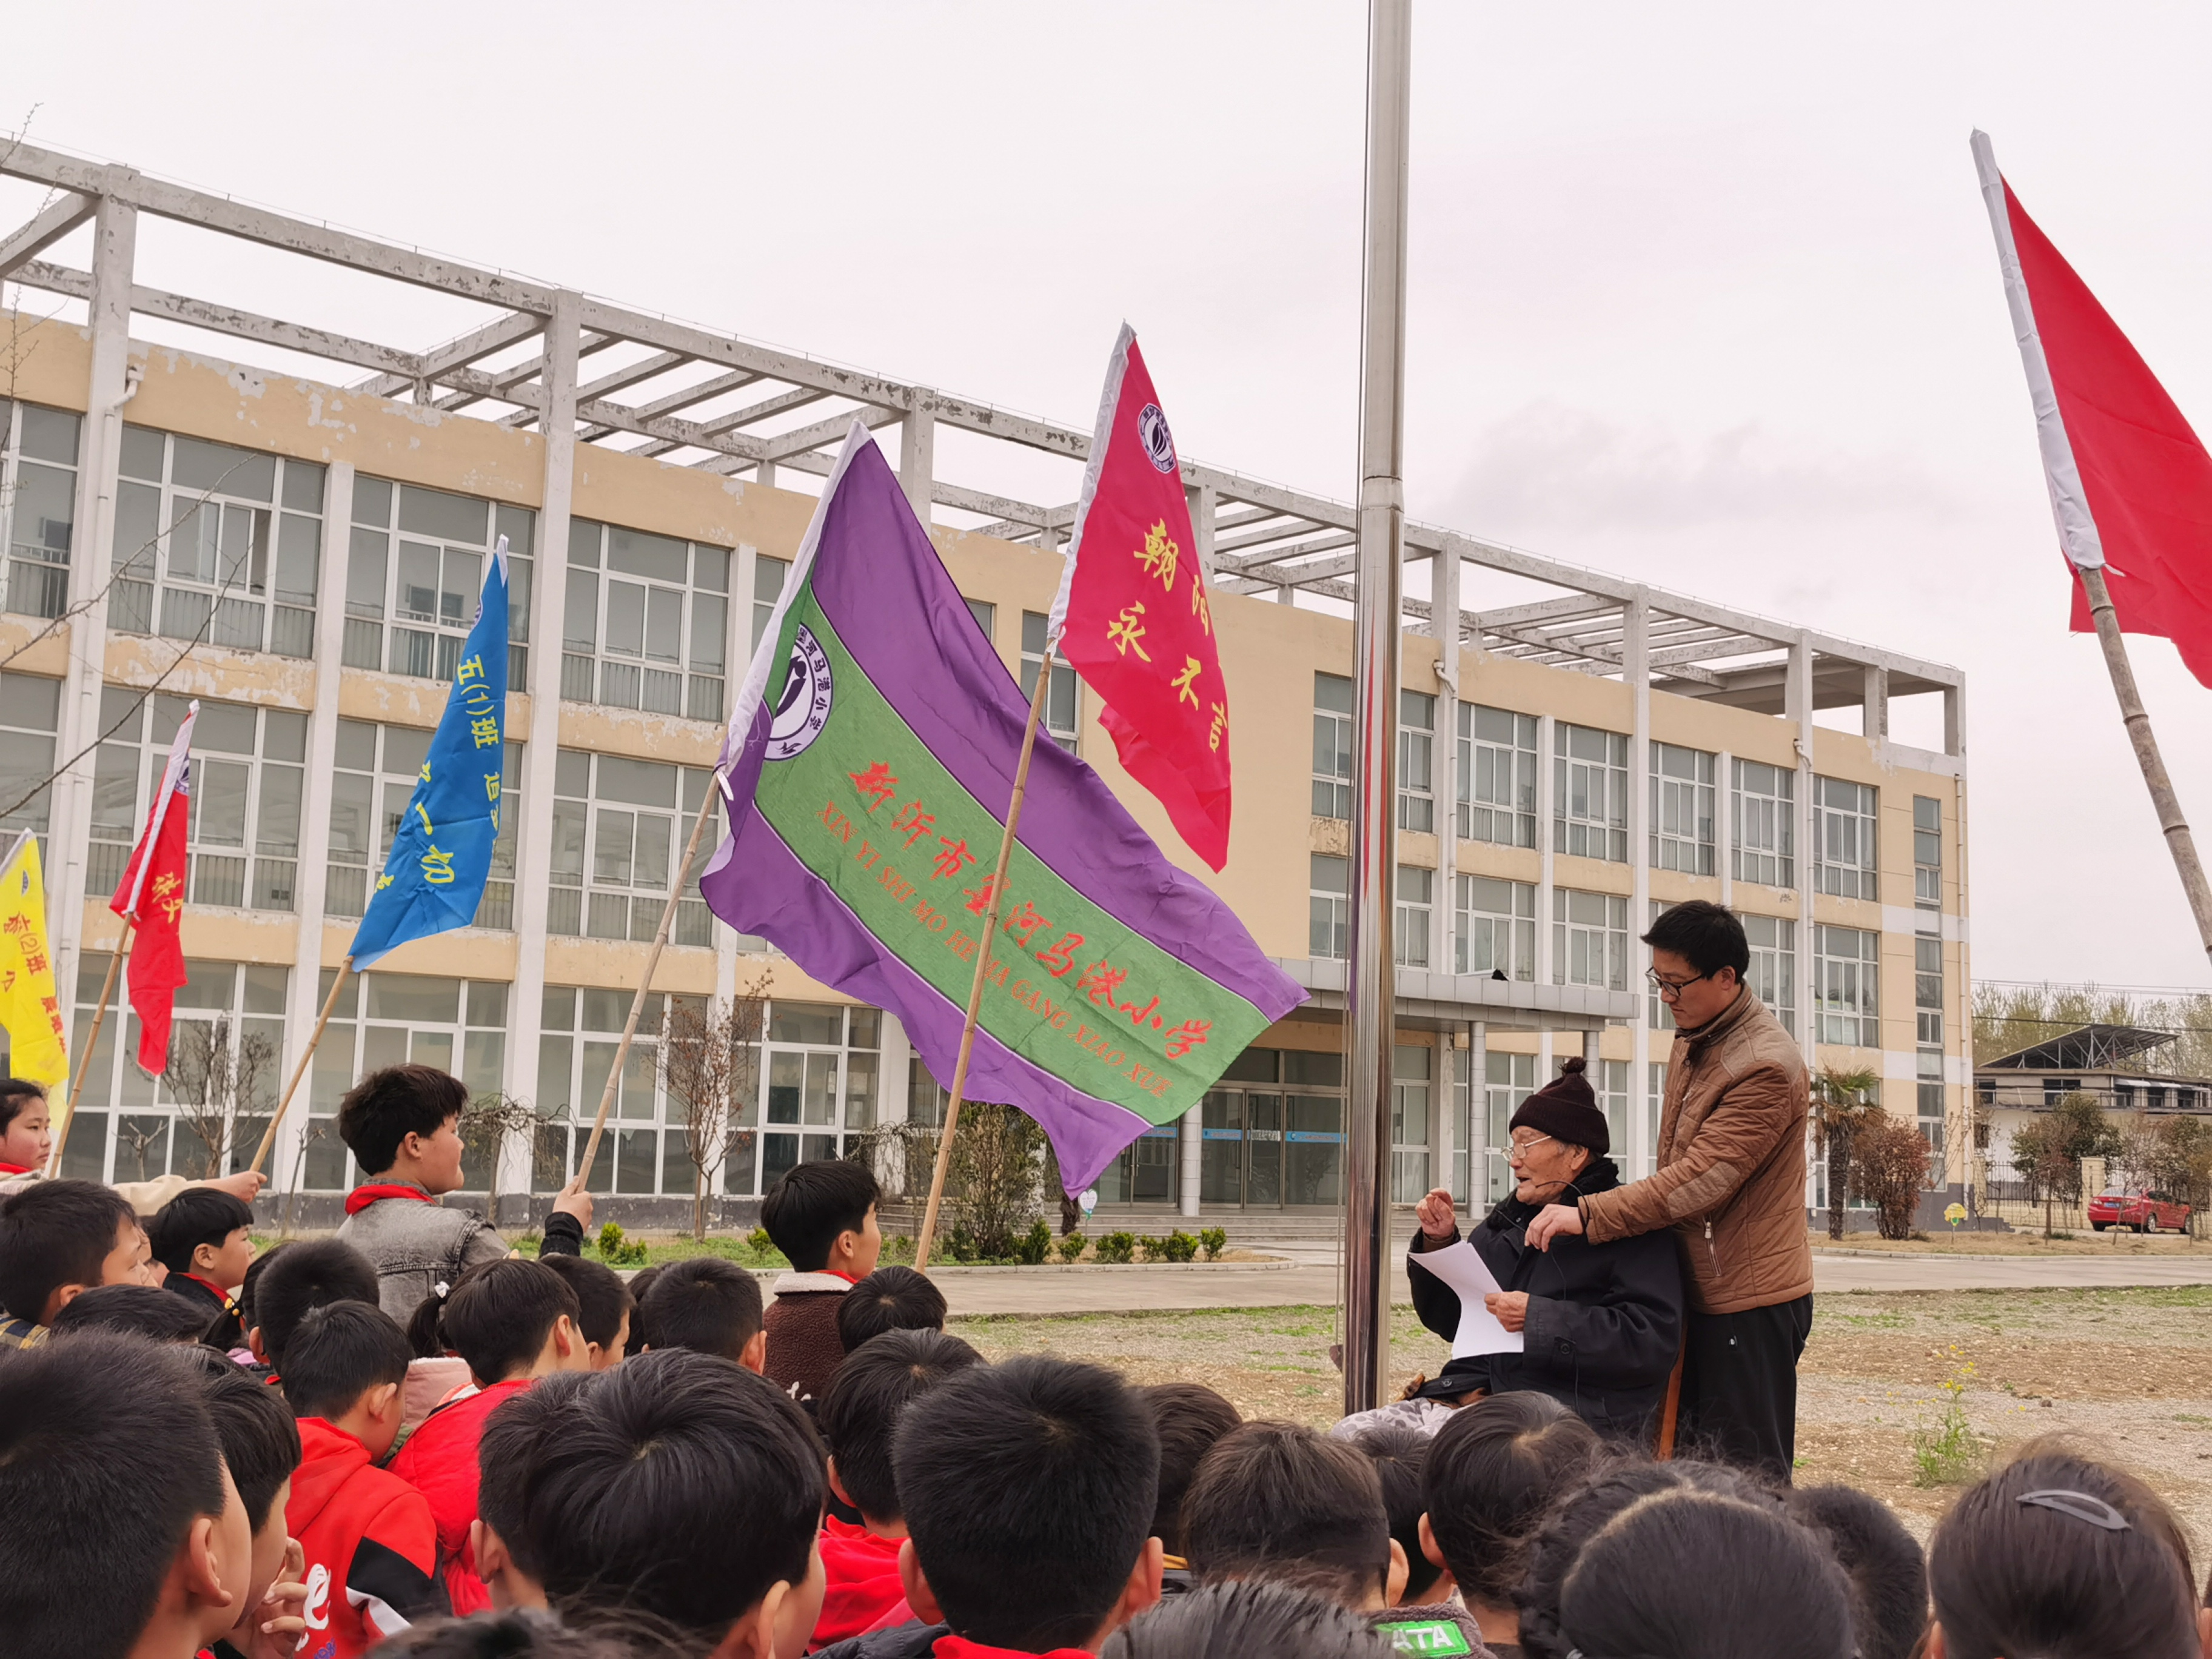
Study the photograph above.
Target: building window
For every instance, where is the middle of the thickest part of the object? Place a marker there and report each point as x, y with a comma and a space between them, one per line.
249, 772
1928, 852
374, 778
30, 714
1494, 926
217, 543
1508, 1079
1844, 838
1928, 989
1657, 1015
1845, 985
618, 828
1497, 776
1589, 938
1928, 1100
1590, 793
768, 588
1765, 798
1417, 742
1331, 759
1059, 703
987, 618
1682, 809
1773, 975
1416, 909
38, 503
414, 572
1412, 1092
1613, 1096
646, 624
1654, 1101
206, 1114
1330, 931
389, 1019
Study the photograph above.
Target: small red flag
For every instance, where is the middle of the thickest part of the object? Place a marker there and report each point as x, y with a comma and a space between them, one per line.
1135, 617
152, 895
2130, 482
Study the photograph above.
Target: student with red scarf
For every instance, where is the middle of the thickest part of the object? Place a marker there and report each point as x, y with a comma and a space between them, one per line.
206, 1239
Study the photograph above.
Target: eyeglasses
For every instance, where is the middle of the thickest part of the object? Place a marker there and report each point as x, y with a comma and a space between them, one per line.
1671, 988
1515, 1150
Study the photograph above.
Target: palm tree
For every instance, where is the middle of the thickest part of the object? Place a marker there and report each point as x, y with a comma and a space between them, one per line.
1842, 1104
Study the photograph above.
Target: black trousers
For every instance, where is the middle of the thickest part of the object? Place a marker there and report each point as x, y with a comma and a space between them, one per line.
1740, 1385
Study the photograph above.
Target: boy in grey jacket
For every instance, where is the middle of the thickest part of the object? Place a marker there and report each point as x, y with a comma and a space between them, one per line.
403, 1123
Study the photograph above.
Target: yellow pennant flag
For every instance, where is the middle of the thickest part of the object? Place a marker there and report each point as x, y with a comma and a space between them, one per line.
29, 1008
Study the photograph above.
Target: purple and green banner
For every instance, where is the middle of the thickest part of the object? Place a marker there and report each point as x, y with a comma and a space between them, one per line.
869, 765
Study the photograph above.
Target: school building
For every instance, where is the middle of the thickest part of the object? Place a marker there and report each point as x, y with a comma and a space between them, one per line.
289, 524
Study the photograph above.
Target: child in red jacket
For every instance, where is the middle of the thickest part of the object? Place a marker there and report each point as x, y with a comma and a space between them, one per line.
513, 1322
370, 1546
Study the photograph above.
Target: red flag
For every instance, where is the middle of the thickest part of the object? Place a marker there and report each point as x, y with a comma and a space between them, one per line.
2130, 482
1133, 615
152, 895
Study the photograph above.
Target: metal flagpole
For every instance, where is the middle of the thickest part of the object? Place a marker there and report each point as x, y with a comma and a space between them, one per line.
1372, 994
91, 1046
928, 1234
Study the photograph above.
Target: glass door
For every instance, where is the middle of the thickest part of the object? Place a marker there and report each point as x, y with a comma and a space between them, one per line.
1221, 1149
1263, 1150
1314, 1149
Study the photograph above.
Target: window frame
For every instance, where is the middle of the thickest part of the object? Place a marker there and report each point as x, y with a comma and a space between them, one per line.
1413, 899
1506, 815
1063, 702
1519, 929
1417, 743
580, 822
690, 686
370, 638
47, 561
1568, 928
1681, 798
1770, 860
1774, 963
1332, 751
1599, 829
388, 788
1926, 853
1328, 909
1846, 838
1847, 986
27, 752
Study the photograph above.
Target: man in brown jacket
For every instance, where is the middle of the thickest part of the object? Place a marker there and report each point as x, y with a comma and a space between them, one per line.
1730, 1181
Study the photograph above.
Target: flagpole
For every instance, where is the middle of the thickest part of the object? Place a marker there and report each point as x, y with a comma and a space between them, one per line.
269, 1134
91, 1047
2137, 719
928, 1234
644, 986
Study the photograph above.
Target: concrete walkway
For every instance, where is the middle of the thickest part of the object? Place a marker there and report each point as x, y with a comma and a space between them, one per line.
1308, 1276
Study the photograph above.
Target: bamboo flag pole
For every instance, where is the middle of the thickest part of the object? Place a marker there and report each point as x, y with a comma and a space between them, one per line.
2178, 841
928, 1234
91, 1047
645, 985
269, 1134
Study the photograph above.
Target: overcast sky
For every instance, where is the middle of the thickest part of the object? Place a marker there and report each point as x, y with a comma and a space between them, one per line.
1703, 296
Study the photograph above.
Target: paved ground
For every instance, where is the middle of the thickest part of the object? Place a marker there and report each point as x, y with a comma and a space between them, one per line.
1308, 1276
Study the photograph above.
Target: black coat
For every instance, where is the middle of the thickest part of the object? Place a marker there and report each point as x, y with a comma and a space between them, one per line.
1605, 1320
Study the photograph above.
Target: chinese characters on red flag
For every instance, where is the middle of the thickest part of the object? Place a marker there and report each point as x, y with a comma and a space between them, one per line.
1135, 617
152, 895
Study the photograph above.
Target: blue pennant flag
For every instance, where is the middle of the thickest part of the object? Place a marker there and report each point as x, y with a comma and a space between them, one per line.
440, 856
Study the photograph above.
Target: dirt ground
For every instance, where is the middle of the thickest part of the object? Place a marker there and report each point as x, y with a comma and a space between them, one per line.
2083, 1243
2127, 1373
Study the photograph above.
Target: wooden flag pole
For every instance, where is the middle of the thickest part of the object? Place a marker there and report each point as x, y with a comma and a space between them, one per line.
645, 985
268, 1135
2178, 841
91, 1046
990, 928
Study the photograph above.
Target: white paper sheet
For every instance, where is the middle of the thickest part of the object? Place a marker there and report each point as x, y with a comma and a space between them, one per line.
1459, 1267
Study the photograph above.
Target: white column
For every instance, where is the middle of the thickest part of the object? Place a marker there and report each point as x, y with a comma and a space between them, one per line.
1444, 615
534, 833
1636, 656
1194, 1144
1478, 1115
100, 453
1444, 1106
918, 451
1797, 706
1724, 823
1873, 709
1546, 726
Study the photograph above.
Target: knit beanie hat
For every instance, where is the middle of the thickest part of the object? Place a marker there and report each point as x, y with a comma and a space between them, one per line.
1565, 1110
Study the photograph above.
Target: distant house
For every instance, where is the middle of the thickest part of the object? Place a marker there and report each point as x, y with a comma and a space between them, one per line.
2104, 1062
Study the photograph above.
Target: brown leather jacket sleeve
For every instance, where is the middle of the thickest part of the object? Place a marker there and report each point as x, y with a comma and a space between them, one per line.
1745, 1125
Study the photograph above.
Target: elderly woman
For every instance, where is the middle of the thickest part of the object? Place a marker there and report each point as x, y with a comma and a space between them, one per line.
1600, 1323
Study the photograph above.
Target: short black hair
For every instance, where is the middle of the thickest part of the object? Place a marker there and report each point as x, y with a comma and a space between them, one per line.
250, 1286
521, 1634
260, 1438
338, 1353
16, 1094
1190, 1417
1494, 1467
601, 1296
640, 1329
811, 1203
1028, 1488
678, 1484
197, 1216
387, 1106
1278, 1501
858, 1413
1275, 1620
1885, 1565
707, 1304
1706, 935
140, 1310
888, 1299
107, 1454
54, 1233
499, 1314
507, 1452
312, 1272
1398, 1451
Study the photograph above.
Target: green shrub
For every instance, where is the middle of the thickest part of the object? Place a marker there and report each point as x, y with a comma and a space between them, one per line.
1180, 1246
759, 1241
1215, 1241
619, 1251
1118, 1248
1071, 1247
1155, 1250
960, 1243
1033, 1246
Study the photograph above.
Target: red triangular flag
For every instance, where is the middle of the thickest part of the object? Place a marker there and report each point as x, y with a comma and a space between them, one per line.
2130, 482
152, 895
1133, 615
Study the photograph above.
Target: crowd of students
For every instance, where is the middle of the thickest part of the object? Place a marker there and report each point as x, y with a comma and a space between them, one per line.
251, 1456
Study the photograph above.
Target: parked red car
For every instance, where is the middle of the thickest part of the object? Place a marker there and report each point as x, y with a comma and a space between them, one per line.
2146, 1213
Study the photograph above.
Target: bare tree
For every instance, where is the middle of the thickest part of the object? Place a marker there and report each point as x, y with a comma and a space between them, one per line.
212, 1080
710, 1066
486, 1122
